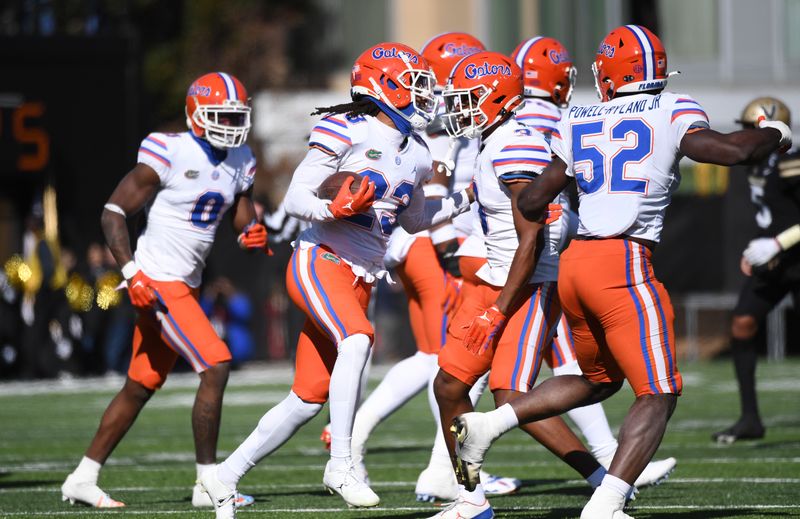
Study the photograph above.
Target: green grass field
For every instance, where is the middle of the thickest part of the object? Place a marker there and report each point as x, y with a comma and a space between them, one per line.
45, 427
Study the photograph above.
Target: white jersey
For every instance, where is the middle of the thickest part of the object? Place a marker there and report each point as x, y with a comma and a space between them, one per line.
195, 192
512, 153
625, 181
543, 117
398, 166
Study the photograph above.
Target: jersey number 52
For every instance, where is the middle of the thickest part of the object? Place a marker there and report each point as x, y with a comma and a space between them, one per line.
597, 167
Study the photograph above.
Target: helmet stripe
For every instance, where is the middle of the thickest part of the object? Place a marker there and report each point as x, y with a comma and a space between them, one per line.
524, 50
647, 51
230, 86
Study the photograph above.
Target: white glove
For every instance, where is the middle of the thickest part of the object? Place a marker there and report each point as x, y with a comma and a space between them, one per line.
761, 250
786, 132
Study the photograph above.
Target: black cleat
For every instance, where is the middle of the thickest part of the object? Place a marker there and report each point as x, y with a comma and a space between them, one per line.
741, 430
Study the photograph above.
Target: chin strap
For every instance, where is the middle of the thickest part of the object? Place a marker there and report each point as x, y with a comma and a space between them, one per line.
402, 125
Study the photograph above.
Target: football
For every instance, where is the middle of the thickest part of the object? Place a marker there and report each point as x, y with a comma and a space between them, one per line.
329, 187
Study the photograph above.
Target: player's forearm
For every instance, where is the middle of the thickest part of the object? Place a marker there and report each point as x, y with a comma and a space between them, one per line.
115, 231
519, 274
433, 212
243, 213
302, 203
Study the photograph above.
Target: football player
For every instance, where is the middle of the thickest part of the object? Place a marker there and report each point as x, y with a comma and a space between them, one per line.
771, 261
426, 265
509, 310
620, 315
549, 76
337, 260
188, 180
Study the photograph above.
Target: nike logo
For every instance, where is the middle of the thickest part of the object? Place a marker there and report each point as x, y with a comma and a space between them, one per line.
138, 284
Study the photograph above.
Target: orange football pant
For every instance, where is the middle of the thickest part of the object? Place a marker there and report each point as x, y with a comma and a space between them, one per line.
177, 327
620, 314
515, 355
424, 283
335, 302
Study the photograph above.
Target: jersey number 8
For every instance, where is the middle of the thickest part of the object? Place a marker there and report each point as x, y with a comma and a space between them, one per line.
590, 162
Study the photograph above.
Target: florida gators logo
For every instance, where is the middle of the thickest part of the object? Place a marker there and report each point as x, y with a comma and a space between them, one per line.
473, 71
606, 50
559, 56
199, 90
461, 50
392, 52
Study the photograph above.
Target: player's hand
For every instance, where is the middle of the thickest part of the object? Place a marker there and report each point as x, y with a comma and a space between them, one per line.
254, 237
745, 267
553, 213
786, 132
482, 330
761, 251
141, 292
347, 204
452, 293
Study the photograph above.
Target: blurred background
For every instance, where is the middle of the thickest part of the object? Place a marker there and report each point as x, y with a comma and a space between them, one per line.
82, 82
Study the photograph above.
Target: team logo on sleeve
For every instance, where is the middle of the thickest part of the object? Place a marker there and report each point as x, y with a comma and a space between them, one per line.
373, 154
191, 173
331, 257
215, 175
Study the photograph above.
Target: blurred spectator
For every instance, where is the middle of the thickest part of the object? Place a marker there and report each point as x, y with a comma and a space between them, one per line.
230, 311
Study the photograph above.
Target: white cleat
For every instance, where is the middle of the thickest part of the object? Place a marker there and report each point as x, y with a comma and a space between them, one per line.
201, 499
437, 483
605, 504
345, 482
86, 492
463, 509
498, 485
473, 438
655, 473
222, 496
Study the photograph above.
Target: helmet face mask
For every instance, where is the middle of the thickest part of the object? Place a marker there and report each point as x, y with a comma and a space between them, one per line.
217, 110
423, 100
464, 116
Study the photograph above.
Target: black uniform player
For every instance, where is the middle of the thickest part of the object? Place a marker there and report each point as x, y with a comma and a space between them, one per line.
772, 262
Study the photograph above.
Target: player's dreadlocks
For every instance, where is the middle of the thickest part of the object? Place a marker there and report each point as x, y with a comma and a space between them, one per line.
362, 106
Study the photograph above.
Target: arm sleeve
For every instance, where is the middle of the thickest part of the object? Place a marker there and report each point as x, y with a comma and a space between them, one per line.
687, 115
301, 199
155, 152
423, 214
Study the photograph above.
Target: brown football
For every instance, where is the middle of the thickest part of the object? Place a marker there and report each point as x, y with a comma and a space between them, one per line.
329, 187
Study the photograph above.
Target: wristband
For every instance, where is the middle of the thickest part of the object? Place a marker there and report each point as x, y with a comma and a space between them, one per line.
129, 270
435, 190
790, 237
114, 208
443, 234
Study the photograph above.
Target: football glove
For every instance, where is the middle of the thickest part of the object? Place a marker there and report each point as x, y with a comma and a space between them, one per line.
452, 293
347, 204
141, 292
761, 251
553, 213
482, 330
254, 237
786, 132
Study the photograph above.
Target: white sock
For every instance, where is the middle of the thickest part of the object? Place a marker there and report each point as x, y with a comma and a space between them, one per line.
596, 477
476, 496
202, 467
502, 419
440, 457
274, 428
477, 390
87, 470
591, 420
401, 383
344, 394
616, 485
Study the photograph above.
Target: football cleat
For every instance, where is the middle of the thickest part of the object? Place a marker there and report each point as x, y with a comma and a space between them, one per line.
222, 496
200, 498
463, 509
344, 481
741, 430
88, 493
605, 504
325, 437
473, 438
655, 473
498, 485
437, 483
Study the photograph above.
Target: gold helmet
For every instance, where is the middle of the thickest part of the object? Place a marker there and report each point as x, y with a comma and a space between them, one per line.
772, 109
